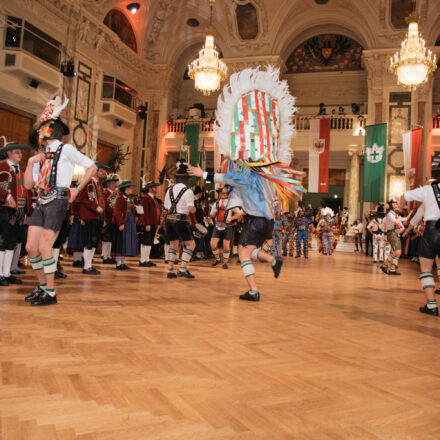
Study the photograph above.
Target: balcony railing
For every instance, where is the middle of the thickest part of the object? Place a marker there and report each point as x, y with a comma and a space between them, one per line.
301, 123
340, 123
178, 125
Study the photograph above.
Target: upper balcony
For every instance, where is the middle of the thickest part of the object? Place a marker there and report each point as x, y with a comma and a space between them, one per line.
178, 125
31, 54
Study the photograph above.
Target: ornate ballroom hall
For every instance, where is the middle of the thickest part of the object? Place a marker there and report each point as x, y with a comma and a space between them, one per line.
335, 349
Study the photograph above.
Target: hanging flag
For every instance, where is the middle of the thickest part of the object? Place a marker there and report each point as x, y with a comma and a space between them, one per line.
319, 151
375, 163
412, 140
192, 138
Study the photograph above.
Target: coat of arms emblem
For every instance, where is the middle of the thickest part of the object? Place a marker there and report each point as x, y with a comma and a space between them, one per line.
319, 146
375, 153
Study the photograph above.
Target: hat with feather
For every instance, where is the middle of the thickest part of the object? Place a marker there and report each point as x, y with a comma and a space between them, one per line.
254, 128
51, 117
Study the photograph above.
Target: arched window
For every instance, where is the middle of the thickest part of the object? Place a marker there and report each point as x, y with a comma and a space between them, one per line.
325, 53
120, 25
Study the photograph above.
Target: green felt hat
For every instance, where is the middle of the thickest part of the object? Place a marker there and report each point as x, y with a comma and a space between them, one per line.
125, 184
110, 179
12, 146
100, 165
149, 185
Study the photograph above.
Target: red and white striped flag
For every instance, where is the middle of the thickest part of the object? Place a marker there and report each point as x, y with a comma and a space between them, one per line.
412, 140
319, 151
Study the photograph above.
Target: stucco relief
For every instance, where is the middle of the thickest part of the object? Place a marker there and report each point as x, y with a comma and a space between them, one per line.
164, 10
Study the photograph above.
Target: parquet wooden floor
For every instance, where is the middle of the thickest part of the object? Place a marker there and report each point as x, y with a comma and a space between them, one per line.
334, 350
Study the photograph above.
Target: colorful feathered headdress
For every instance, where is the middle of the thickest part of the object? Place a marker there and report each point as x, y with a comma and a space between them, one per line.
327, 211
254, 128
51, 114
253, 118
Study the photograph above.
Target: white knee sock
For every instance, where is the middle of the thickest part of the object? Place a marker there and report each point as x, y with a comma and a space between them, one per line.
77, 256
9, 255
88, 257
106, 249
17, 251
2, 258
166, 248
147, 253
56, 254
119, 261
143, 253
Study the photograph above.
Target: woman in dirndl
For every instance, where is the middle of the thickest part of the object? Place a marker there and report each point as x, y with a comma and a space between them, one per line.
124, 242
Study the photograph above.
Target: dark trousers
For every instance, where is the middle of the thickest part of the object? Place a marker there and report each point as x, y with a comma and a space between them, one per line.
368, 244
93, 232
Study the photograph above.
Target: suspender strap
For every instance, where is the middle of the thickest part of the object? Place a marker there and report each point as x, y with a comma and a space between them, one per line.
53, 171
175, 201
435, 187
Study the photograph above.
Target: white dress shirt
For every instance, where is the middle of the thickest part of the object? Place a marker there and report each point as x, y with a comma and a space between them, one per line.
418, 216
69, 157
184, 203
426, 195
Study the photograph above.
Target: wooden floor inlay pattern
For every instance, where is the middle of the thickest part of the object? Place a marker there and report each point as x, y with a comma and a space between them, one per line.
334, 350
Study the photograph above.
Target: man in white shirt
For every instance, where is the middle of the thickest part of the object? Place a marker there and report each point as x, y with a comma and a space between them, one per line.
50, 174
179, 202
393, 228
430, 243
358, 230
375, 227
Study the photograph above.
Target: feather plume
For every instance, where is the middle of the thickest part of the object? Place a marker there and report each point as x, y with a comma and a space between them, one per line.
264, 81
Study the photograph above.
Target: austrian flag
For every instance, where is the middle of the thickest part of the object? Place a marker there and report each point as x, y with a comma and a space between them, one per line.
319, 151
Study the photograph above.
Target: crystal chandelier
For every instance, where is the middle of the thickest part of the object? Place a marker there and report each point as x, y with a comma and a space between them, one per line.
208, 71
413, 63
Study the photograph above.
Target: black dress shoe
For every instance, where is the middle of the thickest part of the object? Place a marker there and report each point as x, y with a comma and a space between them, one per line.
249, 297
108, 261
3, 282
44, 300
171, 275
429, 311
91, 271
78, 264
297, 256
185, 274
393, 272
13, 280
17, 272
225, 265
277, 267
215, 262
384, 269
122, 267
147, 264
34, 295
60, 275
437, 290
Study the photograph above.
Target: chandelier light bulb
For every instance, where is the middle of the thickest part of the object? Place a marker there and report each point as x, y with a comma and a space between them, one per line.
413, 63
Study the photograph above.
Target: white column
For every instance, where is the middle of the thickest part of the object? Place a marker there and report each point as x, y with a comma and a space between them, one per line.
353, 195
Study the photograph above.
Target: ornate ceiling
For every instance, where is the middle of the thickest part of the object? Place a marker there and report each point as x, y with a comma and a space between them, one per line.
261, 27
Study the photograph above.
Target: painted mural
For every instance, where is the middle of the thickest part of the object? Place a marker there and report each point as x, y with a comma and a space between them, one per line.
400, 9
247, 21
327, 52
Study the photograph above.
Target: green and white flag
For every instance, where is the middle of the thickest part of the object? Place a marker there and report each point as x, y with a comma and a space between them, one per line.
375, 163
